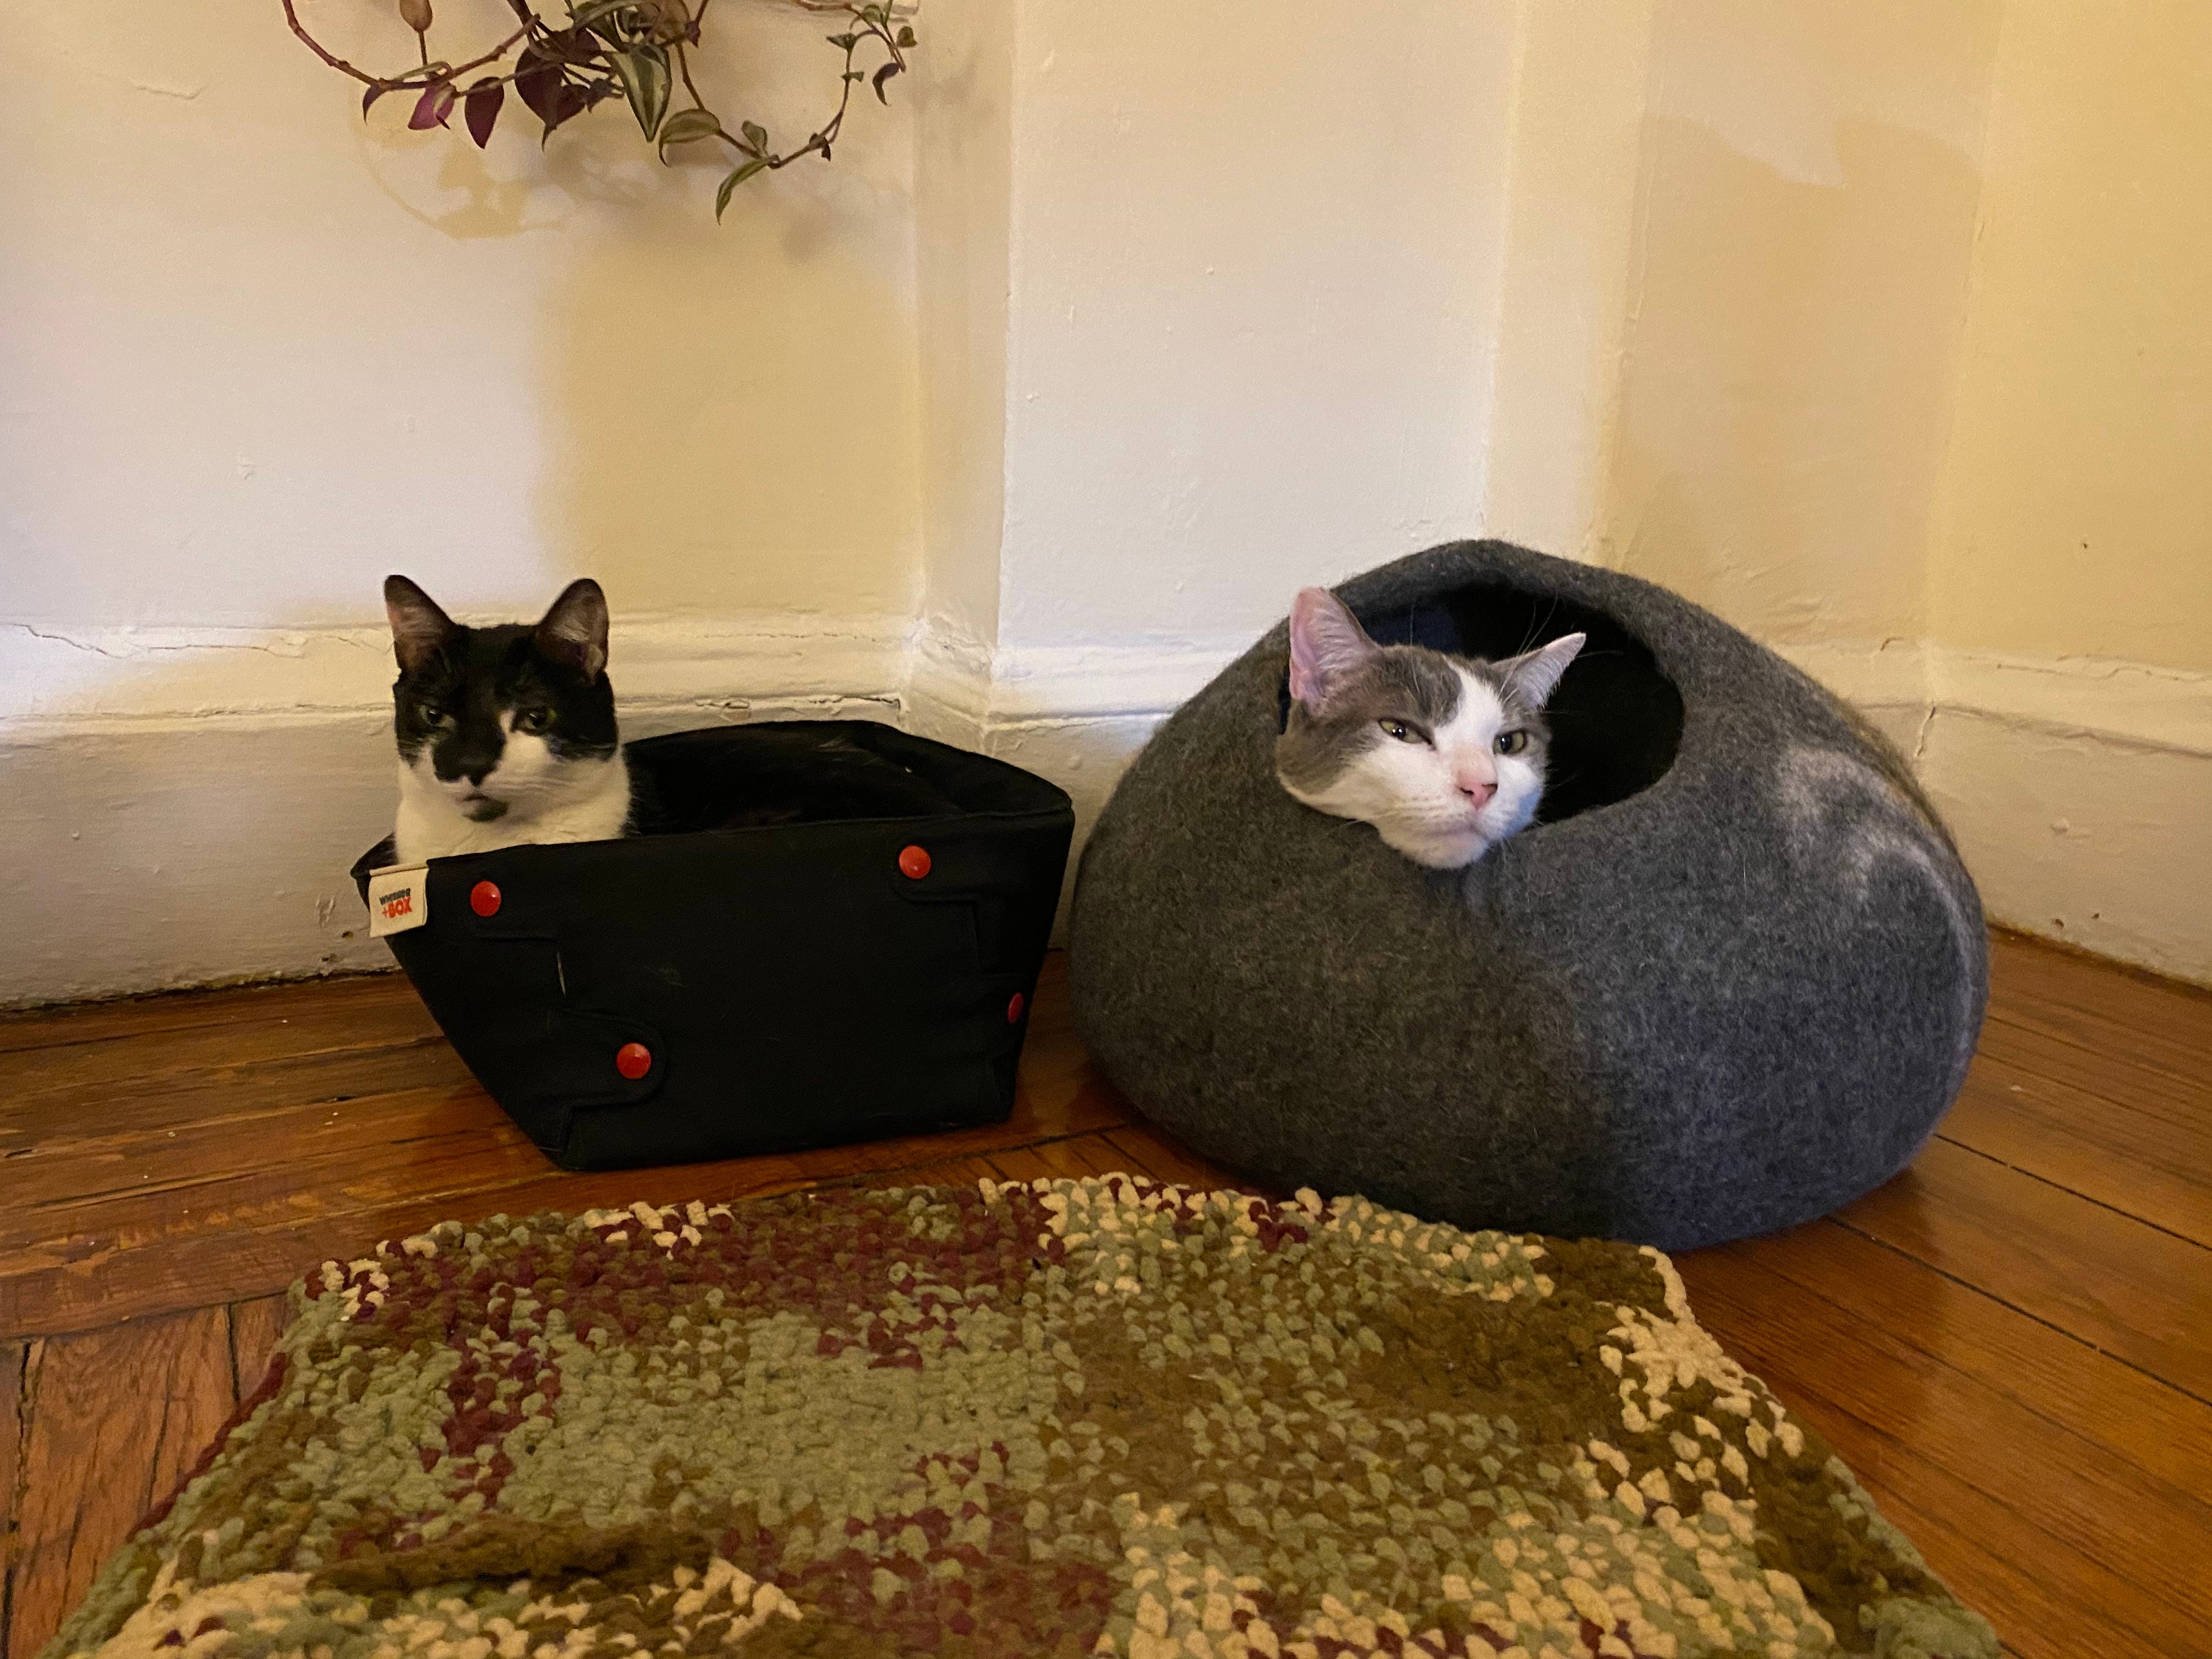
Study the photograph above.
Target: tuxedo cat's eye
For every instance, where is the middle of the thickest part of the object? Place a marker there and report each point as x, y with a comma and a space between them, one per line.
433, 714
1404, 732
1512, 743
532, 720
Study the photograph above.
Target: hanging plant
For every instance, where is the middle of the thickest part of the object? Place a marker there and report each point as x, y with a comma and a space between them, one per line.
638, 50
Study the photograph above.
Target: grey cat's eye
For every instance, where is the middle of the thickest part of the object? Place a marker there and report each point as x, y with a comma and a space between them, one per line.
1512, 743
1402, 731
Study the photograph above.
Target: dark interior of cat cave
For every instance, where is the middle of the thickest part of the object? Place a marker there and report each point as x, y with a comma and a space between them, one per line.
1616, 719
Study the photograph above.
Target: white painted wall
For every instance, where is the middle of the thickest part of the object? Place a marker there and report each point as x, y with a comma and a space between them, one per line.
258, 352
1256, 251
1249, 314
1010, 424
1910, 383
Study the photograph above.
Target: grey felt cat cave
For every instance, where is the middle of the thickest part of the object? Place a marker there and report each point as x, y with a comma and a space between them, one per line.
1728, 981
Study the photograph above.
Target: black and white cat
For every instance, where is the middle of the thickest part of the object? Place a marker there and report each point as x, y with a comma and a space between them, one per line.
506, 734
1443, 755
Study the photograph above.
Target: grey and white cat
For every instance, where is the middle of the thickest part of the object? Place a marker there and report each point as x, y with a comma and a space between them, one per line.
507, 735
1443, 755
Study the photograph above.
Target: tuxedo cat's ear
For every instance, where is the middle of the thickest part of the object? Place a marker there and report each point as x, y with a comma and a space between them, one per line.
574, 631
418, 626
1327, 643
1536, 674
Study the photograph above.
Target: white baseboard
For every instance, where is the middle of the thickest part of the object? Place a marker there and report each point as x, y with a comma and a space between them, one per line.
2080, 789
181, 808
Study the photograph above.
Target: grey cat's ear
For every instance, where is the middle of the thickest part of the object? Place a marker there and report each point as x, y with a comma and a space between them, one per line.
574, 631
1535, 674
418, 626
1327, 643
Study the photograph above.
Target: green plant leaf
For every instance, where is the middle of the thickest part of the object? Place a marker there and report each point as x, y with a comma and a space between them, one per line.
737, 177
755, 136
884, 75
905, 35
848, 41
595, 11
644, 73
688, 125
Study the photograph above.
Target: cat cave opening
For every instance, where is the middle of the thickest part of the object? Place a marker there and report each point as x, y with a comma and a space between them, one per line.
1615, 719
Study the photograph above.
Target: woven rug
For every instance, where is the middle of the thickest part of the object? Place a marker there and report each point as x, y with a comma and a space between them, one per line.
1068, 1418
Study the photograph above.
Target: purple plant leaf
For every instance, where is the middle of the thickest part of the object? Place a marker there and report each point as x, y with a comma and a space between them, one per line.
538, 80
483, 108
432, 108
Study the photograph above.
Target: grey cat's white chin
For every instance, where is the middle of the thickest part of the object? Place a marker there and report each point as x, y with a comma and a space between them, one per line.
1437, 850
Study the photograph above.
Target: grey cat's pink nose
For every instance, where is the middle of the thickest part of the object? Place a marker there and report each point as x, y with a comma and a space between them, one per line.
1479, 793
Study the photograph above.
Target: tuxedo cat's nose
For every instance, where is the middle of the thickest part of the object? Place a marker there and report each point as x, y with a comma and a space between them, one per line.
453, 768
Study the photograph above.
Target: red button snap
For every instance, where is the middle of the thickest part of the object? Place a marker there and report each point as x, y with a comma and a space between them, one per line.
1014, 1008
633, 1061
483, 899
914, 862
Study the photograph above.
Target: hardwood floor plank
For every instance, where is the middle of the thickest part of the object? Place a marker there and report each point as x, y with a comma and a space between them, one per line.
220, 1168
2171, 1099
2108, 1041
117, 1417
39, 1140
2033, 1619
236, 1172
1154, 1153
34, 1081
2104, 1005
2140, 1294
239, 1007
2155, 1171
95, 1239
255, 1325
2112, 1510
2162, 1432
947, 1172
1019, 1164
2047, 1599
1084, 1155
15, 1357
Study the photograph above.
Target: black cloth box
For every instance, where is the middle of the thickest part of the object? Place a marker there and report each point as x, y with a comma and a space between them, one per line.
771, 987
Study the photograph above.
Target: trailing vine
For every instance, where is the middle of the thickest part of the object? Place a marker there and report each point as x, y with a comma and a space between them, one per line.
639, 49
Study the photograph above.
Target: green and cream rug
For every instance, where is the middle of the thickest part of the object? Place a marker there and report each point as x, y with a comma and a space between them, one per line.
1068, 1418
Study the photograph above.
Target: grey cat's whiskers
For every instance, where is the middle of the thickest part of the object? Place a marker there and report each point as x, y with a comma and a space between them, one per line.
1443, 755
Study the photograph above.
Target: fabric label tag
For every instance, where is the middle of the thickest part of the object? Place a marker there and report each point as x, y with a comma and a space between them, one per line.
398, 898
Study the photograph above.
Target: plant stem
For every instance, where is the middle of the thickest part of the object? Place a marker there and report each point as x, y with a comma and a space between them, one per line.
404, 82
684, 63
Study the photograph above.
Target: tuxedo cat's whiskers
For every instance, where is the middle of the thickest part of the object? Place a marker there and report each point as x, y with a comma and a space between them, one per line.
506, 735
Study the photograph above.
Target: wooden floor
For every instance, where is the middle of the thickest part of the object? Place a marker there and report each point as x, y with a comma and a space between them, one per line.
2011, 1343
